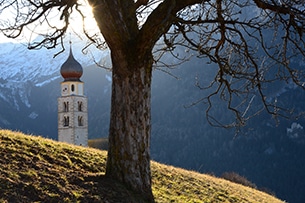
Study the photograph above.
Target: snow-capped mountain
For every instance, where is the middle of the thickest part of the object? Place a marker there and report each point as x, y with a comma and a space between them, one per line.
21, 68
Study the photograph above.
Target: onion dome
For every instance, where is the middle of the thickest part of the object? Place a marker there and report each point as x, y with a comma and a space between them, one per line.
71, 70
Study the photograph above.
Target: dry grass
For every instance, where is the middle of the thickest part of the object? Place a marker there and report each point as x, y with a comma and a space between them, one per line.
181, 185
34, 169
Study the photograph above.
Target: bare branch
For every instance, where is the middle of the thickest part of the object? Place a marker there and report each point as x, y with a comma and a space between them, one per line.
139, 3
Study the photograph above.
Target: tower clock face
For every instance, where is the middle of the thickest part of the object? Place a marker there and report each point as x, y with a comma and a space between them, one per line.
64, 89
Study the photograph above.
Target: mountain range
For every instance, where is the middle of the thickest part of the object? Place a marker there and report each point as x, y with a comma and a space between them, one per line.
269, 154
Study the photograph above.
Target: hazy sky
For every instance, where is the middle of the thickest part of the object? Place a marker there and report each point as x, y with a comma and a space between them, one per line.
76, 25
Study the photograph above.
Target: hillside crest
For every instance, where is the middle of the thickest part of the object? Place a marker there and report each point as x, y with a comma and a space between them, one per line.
35, 169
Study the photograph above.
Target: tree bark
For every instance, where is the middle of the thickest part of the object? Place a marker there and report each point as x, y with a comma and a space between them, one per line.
129, 133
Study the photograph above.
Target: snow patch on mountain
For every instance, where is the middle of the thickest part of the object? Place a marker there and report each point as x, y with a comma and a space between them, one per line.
46, 81
108, 77
33, 115
4, 121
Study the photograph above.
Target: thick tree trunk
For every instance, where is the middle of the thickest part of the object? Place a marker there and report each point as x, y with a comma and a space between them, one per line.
131, 54
129, 134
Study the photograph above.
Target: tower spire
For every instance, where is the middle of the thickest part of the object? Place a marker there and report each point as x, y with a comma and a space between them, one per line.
70, 43
71, 70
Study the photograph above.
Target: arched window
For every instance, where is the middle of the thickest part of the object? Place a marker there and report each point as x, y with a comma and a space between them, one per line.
80, 106
80, 121
72, 88
66, 121
66, 106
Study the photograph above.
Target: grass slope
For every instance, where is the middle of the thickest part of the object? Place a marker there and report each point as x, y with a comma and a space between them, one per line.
34, 169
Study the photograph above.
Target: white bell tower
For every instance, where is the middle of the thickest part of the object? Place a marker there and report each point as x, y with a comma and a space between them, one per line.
72, 105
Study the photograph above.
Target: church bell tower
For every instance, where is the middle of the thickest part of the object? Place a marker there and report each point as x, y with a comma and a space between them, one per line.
72, 105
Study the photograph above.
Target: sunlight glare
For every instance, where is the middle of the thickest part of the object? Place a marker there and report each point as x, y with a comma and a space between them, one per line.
76, 25
89, 24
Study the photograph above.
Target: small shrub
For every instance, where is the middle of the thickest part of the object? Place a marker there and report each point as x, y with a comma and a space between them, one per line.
236, 178
268, 191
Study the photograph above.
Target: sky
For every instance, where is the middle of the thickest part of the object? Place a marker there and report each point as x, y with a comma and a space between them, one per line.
75, 24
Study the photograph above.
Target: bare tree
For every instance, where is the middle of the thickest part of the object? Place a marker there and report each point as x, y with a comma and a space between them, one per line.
253, 42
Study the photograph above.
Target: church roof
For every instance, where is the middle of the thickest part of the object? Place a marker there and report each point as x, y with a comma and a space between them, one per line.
71, 70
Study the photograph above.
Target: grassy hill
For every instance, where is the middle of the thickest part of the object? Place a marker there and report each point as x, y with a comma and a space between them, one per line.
35, 169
